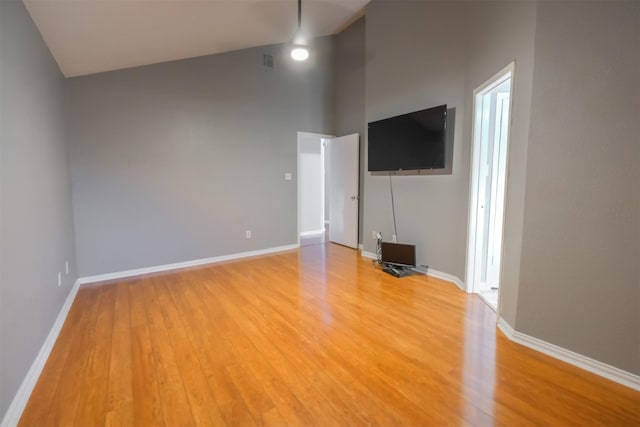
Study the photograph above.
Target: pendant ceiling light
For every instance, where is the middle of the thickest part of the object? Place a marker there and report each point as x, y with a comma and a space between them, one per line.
299, 51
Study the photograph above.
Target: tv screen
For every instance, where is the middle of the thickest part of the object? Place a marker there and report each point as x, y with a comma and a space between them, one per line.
409, 142
398, 254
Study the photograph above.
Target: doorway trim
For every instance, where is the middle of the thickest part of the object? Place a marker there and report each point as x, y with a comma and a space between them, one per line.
472, 235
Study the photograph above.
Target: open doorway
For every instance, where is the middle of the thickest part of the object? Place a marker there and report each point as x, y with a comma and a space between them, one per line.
491, 118
312, 200
328, 201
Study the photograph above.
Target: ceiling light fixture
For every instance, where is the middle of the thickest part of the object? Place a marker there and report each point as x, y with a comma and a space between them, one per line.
299, 51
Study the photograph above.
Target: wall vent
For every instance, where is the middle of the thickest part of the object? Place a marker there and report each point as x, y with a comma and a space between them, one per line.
267, 60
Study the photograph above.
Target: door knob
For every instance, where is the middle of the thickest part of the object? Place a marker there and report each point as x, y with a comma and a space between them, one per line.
354, 197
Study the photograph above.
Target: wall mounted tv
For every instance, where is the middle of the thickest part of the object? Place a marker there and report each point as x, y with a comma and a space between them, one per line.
411, 141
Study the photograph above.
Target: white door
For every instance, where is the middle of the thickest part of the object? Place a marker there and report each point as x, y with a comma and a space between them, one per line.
343, 190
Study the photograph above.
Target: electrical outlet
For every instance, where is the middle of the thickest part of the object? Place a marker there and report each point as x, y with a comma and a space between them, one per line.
59, 279
66, 267
248, 234
374, 234
394, 239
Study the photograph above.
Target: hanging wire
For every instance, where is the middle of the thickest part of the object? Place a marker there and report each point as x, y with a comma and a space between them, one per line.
393, 210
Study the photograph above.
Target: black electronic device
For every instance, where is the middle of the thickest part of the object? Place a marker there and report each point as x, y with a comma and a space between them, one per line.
396, 271
412, 141
398, 254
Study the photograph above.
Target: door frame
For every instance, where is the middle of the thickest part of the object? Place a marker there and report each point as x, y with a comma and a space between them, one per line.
491, 83
321, 137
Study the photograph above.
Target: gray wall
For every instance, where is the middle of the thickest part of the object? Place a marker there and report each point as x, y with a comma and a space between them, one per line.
499, 33
415, 59
173, 162
580, 283
349, 90
35, 198
572, 221
481, 38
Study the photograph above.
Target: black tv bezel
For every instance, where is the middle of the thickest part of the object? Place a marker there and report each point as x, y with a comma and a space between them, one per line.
423, 167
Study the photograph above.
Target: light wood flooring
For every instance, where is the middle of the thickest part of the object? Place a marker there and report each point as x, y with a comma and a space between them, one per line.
316, 336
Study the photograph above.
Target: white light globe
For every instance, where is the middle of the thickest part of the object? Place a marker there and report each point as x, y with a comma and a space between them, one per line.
299, 53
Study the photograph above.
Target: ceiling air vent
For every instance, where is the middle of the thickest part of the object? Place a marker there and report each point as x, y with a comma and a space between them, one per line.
267, 60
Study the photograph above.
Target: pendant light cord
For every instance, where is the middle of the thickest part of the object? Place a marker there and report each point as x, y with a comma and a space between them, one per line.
393, 209
299, 14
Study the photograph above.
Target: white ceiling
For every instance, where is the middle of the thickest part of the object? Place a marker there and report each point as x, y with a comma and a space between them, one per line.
91, 36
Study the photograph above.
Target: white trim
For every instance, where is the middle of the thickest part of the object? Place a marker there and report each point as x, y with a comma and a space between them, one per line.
428, 271
13, 414
497, 79
361, 247
602, 369
323, 180
507, 72
448, 277
298, 189
312, 233
178, 265
366, 254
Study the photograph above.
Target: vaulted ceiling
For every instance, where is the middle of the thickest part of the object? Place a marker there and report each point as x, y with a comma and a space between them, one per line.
92, 36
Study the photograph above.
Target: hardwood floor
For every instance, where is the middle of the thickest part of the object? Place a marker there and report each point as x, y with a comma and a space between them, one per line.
317, 336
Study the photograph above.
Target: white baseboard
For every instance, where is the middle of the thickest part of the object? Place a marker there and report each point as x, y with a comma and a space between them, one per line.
448, 277
178, 265
21, 398
319, 232
429, 272
602, 369
366, 254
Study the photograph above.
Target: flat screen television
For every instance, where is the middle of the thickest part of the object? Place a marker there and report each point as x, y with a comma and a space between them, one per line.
398, 254
411, 141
